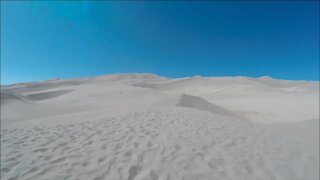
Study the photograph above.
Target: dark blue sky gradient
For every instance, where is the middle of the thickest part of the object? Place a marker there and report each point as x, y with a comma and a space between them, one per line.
46, 39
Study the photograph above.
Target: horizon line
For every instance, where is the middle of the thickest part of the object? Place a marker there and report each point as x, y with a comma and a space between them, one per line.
148, 73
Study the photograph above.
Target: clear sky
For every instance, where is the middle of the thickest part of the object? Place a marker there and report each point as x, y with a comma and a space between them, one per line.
46, 39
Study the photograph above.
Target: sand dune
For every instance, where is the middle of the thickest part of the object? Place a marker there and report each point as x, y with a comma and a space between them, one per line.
142, 126
9, 97
47, 95
201, 104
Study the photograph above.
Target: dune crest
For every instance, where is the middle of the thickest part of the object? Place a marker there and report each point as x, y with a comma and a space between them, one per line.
201, 104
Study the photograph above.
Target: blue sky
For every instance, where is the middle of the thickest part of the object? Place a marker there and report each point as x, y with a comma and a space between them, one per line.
46, 39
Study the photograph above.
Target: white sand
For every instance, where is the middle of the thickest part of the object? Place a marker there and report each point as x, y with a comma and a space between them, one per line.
141, 126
